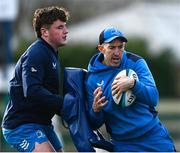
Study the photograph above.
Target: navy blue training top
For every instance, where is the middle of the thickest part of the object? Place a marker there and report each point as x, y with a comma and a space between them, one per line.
34, 88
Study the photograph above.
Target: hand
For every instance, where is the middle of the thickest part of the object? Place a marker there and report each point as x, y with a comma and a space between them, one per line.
122, 84
99, 102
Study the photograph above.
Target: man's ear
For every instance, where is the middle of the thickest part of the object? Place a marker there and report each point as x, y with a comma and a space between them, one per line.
100, 48
44, 32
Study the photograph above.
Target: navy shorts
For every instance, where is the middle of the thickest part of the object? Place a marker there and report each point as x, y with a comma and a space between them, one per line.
23, 138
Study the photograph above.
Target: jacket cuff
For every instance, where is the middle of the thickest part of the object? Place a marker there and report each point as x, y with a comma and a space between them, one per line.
136, 88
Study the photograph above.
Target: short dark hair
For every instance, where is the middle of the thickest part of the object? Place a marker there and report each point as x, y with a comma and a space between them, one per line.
46, 16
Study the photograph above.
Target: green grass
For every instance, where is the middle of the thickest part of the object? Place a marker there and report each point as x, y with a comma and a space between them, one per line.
168, 112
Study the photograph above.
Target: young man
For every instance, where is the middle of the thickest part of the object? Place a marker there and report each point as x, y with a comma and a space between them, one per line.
133, 128
34, 89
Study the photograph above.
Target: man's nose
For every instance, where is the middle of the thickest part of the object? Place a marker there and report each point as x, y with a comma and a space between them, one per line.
66, 30
116, 51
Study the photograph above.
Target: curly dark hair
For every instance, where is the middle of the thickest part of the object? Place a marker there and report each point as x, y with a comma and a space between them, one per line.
46, 16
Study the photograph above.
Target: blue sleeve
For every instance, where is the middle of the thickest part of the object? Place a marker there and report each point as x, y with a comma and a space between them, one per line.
96, 118
33, 71
145, 89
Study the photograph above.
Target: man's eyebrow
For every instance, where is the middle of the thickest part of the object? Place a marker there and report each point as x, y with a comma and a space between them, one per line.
111, 45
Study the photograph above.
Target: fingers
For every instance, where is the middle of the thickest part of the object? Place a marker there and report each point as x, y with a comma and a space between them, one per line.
115, 91
97, 106
116, 88
118, 94
103, 104
116, 80
115, 85
97, 93
96, 90
121, 84
99, 101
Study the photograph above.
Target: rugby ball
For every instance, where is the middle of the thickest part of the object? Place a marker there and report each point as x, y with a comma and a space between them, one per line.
126, 98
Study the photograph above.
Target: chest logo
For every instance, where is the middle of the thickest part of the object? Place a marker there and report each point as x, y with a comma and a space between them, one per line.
33, 69
100, 84
54, 65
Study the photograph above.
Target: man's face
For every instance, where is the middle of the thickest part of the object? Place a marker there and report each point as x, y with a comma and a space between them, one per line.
56, 34
113, 52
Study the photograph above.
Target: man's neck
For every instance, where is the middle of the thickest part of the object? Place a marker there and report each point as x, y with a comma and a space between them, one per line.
54, 48
52, 45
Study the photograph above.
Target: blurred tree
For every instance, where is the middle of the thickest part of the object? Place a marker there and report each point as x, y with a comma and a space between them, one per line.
76, 56
163, 69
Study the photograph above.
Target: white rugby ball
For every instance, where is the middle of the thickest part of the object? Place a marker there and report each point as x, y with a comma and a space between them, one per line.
126, 98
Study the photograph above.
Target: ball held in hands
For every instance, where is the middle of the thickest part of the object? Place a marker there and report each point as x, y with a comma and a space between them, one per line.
127, 98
